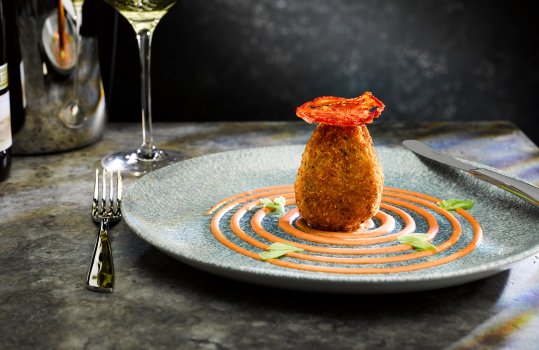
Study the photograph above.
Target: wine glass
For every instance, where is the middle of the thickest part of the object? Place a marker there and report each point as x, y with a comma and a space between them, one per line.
72, 114
143, 15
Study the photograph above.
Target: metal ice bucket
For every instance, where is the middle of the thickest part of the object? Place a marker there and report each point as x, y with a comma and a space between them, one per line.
51, 71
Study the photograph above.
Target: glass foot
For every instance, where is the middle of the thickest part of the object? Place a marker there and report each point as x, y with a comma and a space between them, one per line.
72, 115
133, 163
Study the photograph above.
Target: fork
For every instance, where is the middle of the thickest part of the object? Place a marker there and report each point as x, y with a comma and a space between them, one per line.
101, 272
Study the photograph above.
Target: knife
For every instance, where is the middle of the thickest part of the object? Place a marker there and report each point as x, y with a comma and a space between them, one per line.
522, 189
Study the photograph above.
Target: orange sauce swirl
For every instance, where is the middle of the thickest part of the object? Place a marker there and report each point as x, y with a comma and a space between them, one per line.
372, 249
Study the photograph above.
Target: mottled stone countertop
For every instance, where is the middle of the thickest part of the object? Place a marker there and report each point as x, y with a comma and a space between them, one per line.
47, 237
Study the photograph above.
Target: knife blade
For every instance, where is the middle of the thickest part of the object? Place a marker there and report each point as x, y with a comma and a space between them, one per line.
519, 188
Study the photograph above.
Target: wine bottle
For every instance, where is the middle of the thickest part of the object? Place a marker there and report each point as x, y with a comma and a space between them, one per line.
15, 66
5, 113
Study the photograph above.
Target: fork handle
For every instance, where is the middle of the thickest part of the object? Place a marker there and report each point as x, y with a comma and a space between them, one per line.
101, 273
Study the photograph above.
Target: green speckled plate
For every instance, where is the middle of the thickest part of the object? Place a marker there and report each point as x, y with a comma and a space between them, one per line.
167, 208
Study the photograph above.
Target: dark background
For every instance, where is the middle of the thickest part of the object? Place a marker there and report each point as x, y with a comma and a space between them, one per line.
217, 60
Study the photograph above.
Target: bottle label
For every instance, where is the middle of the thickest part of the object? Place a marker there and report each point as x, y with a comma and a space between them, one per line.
5, 122
3, 76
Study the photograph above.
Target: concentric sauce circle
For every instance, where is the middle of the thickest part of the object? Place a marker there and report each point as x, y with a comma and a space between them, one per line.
373, 249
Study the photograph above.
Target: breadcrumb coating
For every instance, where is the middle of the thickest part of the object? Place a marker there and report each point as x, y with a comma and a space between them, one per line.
339, 182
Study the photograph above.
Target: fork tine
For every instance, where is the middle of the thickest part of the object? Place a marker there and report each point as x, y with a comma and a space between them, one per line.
111, 194
104, 193
119, 194
95, 202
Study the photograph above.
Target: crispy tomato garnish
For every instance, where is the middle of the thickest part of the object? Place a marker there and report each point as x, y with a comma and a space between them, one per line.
341, 111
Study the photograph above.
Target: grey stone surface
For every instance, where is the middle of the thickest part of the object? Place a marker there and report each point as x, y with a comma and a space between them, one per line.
47, 236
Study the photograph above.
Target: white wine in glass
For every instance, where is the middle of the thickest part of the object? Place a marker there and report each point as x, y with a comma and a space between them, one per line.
143, 15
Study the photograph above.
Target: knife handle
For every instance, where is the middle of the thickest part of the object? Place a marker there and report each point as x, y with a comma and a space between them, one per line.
525, 191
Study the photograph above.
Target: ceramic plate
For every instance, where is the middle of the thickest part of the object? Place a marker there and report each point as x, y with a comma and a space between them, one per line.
167, 208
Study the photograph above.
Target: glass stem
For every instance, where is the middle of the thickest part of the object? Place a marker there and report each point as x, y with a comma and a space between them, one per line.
146, 150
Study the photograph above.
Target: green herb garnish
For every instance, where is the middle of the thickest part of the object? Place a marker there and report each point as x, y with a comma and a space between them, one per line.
276, 206
278, 249
454, 204
419, 241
